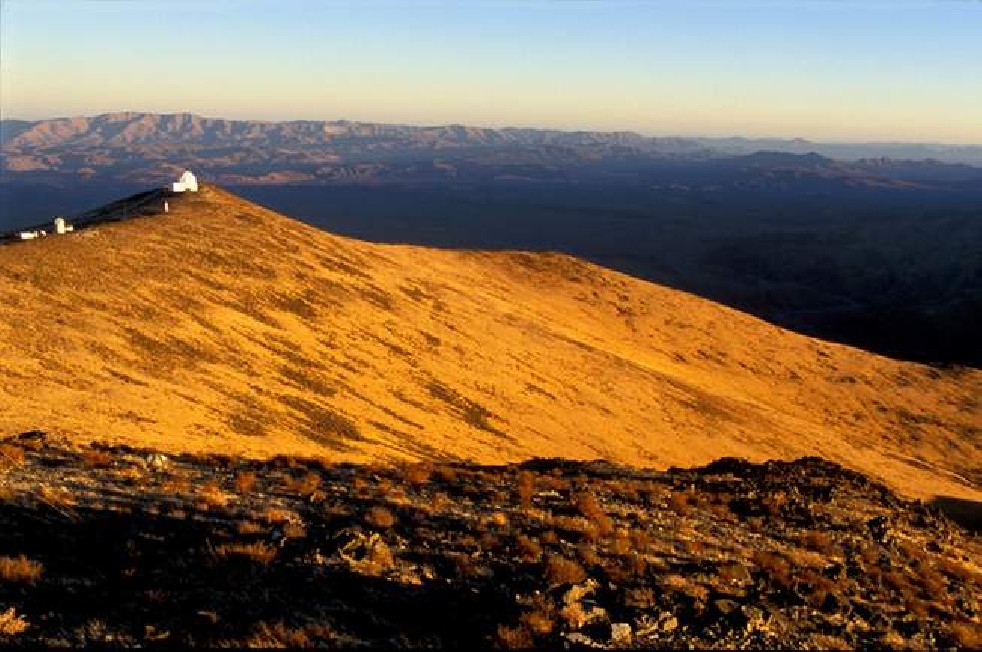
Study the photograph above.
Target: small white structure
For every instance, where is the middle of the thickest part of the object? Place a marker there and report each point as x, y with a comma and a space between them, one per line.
187, 183
62, 227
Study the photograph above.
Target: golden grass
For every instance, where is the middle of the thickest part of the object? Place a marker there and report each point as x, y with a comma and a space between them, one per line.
224, 327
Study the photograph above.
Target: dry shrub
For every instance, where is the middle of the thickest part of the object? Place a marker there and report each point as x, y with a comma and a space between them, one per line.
498, 519
899, 582
258, 551
11, 455
277, 635
396, 495
539, 622
489, 541
560, 570
574, 615
588, 555
245, 481
380, 518
774, 504
95, 458
818, 541
893, 641
134, 474
681, 584
576, 526
817, 587
446, 474
20, 569
959, 571
588, 505
933, 585
360, 485
967, 635
249, 527
679, 502
549, 537
527, 549
273, 515
525, 488
514, 638
695, 548
212, 495
439, 502
294, 530
303, 486
418, 474
919, 608
870, 554
775, 567
806, 559
640, 539
734, 572
176, 485
721, 511
637, 565
621, 544
11, 624
58, 497
466, 566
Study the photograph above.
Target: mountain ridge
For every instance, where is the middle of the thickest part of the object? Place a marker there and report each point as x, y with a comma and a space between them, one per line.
127, 128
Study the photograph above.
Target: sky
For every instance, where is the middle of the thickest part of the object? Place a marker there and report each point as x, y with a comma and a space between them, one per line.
833, 70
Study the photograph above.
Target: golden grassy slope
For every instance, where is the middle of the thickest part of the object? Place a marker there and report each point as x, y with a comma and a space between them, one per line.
223, 326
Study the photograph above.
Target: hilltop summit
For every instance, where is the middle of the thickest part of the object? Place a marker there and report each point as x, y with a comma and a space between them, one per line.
222, 326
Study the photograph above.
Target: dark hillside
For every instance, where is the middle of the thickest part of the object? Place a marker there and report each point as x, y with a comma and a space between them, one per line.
122, 546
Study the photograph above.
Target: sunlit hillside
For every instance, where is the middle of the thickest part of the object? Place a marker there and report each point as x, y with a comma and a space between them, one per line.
222, 326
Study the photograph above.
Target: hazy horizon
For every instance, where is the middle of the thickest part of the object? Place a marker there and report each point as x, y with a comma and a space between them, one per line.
870, 72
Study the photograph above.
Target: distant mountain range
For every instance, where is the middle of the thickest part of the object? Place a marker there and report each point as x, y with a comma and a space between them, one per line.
146, 147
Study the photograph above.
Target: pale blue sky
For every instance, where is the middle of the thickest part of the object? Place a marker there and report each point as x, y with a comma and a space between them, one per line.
833, 70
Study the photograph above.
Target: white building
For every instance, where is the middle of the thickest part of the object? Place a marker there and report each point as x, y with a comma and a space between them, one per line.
62, 227
187, 183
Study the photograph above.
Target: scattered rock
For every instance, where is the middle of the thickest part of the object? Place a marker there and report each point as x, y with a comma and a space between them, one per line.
620, 634
578, 592
668, 623
157, 461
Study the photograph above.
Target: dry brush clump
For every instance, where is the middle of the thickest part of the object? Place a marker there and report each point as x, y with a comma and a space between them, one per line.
20, 570
305, 485
545, 554
380, 518
561, 570
11, 624
258, 551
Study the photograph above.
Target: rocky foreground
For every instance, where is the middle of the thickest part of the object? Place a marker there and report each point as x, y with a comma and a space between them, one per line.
113, 545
